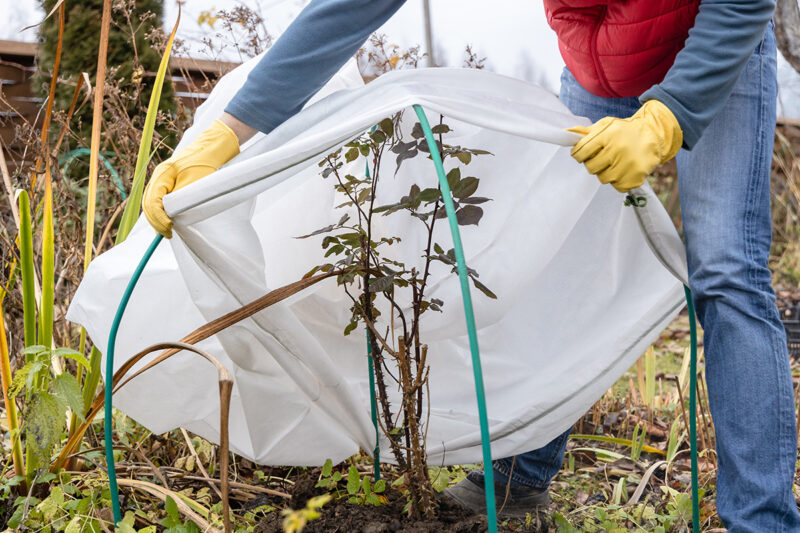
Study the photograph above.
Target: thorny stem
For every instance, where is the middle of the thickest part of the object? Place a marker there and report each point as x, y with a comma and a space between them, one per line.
409, 449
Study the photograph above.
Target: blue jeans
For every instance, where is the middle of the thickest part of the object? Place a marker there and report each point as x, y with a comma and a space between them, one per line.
724, 184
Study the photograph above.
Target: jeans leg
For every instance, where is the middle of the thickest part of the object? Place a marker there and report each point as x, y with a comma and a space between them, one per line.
724, 192
536, 468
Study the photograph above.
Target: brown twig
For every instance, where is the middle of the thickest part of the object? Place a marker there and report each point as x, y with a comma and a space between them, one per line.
199, 463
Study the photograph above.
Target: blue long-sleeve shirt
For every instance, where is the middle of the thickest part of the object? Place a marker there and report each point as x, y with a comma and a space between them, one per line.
328, 32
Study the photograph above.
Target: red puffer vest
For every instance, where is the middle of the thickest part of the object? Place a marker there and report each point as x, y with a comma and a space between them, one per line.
620, 47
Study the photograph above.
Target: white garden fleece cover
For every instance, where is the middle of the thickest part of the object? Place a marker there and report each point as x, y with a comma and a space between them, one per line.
580, 278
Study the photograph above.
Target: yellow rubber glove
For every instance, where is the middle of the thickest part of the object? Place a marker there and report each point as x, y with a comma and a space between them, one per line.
212, 149
623, 152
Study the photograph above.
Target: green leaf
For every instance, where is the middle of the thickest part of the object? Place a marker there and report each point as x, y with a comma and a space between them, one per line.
327, 468
172, 512
562, 525
351, 154
69, 353
484, 289
464, 157
20, 378
363, 196
51, 505
403, 156
378, 136
466, 187
440, 478
387, 126
366, 485
453, 177
437, 248
350, 327
326, 229
129, 518
66, 388
34, 350
474, 200
16, 518
43, 427
469, 215
353, 480
417, 132
379, 486
440, 128
76, 525
380, 284
430, 194
400, 147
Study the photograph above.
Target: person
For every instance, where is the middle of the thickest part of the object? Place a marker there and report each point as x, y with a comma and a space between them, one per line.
692, 79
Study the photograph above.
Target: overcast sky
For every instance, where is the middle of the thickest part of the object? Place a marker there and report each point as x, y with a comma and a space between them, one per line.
511, 34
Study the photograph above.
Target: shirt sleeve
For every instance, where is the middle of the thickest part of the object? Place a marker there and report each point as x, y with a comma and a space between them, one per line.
306, 56
724, 36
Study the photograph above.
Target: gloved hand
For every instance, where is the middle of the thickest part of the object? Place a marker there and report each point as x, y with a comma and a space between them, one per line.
214, 147
623, 152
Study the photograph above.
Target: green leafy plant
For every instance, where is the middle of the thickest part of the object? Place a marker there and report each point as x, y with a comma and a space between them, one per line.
368, 273
174, 523
358, 489
47, 396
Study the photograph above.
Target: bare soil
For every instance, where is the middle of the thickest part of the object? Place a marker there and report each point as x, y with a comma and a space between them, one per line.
344, 517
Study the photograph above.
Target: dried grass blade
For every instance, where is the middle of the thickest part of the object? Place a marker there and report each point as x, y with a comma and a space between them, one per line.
199, 463
50, 14
615, 440
91, 196
8, 186
97, 120
643, 483
71, 111
179, 499
44, 155
11, 407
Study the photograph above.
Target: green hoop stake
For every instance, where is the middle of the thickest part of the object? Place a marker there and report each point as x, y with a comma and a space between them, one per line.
373, 402
109, 385
693, 409
461, 266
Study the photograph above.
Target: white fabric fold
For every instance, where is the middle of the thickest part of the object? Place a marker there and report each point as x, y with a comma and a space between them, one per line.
580, 277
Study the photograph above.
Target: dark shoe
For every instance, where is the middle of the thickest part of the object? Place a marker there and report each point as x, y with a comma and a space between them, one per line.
469, 493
